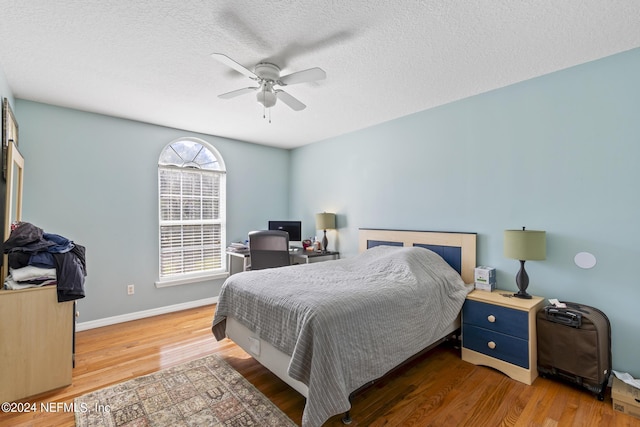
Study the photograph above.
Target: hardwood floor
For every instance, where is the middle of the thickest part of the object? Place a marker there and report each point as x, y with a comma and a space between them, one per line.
438, 389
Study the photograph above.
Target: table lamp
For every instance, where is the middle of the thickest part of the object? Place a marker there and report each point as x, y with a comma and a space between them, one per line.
524, 245
325, 221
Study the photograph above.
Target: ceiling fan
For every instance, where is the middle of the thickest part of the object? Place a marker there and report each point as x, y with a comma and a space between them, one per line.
267, 77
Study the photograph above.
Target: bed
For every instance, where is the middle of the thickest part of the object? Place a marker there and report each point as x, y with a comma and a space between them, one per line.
328, 329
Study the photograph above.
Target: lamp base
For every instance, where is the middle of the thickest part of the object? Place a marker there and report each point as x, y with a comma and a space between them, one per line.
522, 294
325, 242
522, 280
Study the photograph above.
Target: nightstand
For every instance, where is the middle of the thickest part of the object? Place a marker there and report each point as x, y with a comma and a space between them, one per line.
499, 331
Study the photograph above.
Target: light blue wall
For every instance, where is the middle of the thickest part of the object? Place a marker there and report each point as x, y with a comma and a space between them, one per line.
93, 179
558, 153
5, 90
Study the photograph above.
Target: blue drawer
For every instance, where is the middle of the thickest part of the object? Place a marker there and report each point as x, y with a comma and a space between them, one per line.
508, 348
506, 320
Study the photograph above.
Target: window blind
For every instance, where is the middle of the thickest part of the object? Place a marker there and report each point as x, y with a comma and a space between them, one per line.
191, 221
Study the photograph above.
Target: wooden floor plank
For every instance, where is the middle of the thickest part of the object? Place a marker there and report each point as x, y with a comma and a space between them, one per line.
438, 389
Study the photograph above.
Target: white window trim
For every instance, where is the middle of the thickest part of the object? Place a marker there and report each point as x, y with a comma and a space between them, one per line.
191, 278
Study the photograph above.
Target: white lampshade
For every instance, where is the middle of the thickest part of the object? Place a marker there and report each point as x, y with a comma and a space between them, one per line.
528, 245
325, 221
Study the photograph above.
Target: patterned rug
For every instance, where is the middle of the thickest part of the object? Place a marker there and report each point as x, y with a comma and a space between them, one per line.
204, 392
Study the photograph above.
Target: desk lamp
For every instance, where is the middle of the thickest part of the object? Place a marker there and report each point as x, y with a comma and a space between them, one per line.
325, 221
524, 245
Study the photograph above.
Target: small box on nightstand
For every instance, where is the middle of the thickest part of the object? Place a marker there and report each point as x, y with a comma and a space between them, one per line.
485, 278
485, 287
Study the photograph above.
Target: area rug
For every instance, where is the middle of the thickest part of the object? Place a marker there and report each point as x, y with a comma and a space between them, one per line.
204, 392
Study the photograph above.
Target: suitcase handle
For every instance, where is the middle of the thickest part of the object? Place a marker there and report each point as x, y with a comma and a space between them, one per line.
563, 316
575, 306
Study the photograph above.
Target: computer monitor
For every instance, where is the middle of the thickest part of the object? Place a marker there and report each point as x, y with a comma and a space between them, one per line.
294, 228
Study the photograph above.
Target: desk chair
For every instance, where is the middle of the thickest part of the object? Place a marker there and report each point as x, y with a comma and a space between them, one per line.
269, 248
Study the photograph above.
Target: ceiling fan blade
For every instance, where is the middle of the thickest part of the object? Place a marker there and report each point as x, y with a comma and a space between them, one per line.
237, 92
292, 102
233, 64
310, 75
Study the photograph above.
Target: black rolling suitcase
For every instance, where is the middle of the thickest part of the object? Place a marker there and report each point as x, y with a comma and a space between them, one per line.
574, 343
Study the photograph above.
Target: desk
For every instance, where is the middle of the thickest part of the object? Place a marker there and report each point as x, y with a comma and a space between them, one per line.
240, 261
306, 257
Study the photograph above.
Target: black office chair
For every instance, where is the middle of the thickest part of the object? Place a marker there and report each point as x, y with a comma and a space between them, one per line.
269, 248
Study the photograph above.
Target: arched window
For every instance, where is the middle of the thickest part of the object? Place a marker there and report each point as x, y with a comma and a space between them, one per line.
191, 182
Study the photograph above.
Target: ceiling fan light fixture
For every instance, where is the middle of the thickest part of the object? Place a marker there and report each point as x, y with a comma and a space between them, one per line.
267, 76
266, 98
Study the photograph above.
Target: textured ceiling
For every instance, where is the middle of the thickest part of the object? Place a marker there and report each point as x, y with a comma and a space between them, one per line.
150, 60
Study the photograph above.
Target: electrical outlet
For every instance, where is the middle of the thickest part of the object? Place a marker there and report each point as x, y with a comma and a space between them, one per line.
131, 290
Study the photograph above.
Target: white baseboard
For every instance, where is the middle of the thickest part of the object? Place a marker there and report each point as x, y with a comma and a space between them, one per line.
83, 326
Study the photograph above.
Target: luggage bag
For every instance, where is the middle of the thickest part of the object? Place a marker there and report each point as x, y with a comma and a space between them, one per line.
574, 344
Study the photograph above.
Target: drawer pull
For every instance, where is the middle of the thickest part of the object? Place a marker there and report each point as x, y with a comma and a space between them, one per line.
491, 345
491, 318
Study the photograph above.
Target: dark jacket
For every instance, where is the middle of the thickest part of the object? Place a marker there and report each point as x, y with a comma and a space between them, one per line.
30, 245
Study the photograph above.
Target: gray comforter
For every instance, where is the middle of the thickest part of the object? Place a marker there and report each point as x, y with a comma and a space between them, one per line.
345, 322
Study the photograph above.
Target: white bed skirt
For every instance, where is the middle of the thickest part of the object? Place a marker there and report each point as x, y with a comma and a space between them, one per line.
265, 353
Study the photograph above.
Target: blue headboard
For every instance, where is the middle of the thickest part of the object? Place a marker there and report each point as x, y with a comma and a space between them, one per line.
457, 249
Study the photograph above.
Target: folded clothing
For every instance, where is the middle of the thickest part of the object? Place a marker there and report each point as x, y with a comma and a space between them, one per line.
29, 273
11, 284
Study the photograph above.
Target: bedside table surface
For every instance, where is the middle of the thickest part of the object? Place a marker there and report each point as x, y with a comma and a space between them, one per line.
505, 299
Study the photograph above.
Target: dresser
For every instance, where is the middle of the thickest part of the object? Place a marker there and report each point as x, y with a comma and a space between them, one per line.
36, 342
499, 331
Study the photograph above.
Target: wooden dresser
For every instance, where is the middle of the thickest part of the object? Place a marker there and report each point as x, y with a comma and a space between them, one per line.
36, 342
